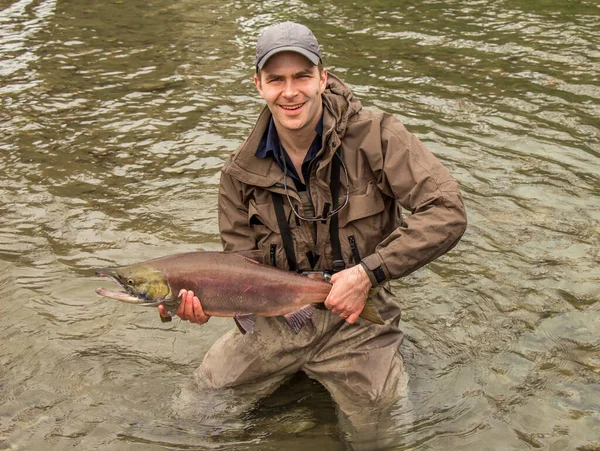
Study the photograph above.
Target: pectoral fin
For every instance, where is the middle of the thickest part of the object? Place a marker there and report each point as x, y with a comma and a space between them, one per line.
168, 319
298, 319
370, 313
245, 323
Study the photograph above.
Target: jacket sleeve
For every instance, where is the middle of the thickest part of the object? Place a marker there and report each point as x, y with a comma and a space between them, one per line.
236, 232
411, 174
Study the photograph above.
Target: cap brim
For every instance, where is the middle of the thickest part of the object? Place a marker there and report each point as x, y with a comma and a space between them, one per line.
313, 58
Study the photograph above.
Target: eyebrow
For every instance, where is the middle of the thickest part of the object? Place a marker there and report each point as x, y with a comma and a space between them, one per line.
296, 75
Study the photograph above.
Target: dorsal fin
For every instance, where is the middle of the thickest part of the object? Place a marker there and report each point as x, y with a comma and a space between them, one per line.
255, 255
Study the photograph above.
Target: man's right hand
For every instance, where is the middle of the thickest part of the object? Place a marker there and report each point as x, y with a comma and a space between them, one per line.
189, 309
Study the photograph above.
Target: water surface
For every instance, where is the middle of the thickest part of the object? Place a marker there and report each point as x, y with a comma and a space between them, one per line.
115, 118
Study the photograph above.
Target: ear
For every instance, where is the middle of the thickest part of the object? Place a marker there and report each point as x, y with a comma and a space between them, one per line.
257, 83
323, 80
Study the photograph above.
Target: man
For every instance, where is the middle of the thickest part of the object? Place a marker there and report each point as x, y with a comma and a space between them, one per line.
316, 186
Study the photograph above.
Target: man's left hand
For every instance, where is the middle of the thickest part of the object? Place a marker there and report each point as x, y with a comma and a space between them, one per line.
349, 293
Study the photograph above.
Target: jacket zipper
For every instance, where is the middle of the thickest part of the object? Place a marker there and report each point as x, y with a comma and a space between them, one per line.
273, 254
354, 249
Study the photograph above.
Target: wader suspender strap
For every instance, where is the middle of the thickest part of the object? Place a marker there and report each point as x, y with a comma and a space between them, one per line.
286, 233
334, 229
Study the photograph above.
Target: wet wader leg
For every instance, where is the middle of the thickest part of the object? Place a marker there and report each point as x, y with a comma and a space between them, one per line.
360, 374
367, 386
254, 365
362, 368
377, 428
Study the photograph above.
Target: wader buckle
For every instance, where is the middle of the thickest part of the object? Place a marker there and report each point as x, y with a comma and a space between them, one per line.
338, 265
326, 275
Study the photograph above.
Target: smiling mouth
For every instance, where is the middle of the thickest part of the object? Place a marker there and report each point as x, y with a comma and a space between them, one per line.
292, 107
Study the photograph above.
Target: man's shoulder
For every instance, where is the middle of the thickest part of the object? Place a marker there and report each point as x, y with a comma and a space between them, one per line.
245, 152
232, 156
238, 157
382, 120
374, 115
247, 169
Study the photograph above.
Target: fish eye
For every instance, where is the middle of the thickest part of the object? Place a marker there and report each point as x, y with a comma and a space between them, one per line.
130, 281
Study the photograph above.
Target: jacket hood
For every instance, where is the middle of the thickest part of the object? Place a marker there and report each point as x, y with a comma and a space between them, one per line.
339, 105
340, 102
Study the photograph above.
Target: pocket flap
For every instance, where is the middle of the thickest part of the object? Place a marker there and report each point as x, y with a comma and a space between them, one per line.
263, 214
362, 205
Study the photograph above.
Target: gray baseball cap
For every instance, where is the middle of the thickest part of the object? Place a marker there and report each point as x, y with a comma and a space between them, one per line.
287, 37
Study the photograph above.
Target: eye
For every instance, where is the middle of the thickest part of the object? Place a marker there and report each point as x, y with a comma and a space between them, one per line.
130, 281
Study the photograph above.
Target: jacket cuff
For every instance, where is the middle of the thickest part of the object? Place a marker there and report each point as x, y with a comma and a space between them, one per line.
374, 268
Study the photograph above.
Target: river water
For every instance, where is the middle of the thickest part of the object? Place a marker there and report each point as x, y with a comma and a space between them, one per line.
115, 118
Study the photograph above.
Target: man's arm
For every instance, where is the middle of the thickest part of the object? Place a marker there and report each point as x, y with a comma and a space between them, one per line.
419, 182
411, 174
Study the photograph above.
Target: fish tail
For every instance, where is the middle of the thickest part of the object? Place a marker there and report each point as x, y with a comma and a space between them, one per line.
370, 313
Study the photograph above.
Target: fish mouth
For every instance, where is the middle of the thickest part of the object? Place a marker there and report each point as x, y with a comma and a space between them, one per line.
123, 296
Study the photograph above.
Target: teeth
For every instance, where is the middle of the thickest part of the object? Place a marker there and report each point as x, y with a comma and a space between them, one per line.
294, 107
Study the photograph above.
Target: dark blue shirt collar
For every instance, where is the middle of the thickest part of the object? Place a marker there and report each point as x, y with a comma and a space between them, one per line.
269, 147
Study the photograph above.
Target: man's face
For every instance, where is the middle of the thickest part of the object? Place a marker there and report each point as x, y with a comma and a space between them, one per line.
292, 88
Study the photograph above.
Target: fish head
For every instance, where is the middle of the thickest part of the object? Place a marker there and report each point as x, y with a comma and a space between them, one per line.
142, 285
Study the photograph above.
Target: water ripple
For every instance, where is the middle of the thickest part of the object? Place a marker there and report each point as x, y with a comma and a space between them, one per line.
115, 119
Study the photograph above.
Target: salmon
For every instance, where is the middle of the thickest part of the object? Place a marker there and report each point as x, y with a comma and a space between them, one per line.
228, 284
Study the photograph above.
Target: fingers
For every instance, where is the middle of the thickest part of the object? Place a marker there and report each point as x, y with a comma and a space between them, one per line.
335, 306
348, 295
187, 305
353, 317
338, 305
190, 308
162, 312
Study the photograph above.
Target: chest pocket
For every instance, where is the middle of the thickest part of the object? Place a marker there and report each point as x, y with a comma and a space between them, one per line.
261, 218
361, 224
362, 205
263, 221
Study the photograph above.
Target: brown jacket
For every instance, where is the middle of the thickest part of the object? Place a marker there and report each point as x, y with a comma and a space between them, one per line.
387, 166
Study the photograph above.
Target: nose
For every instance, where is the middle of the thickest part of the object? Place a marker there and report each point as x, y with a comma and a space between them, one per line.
289, 90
